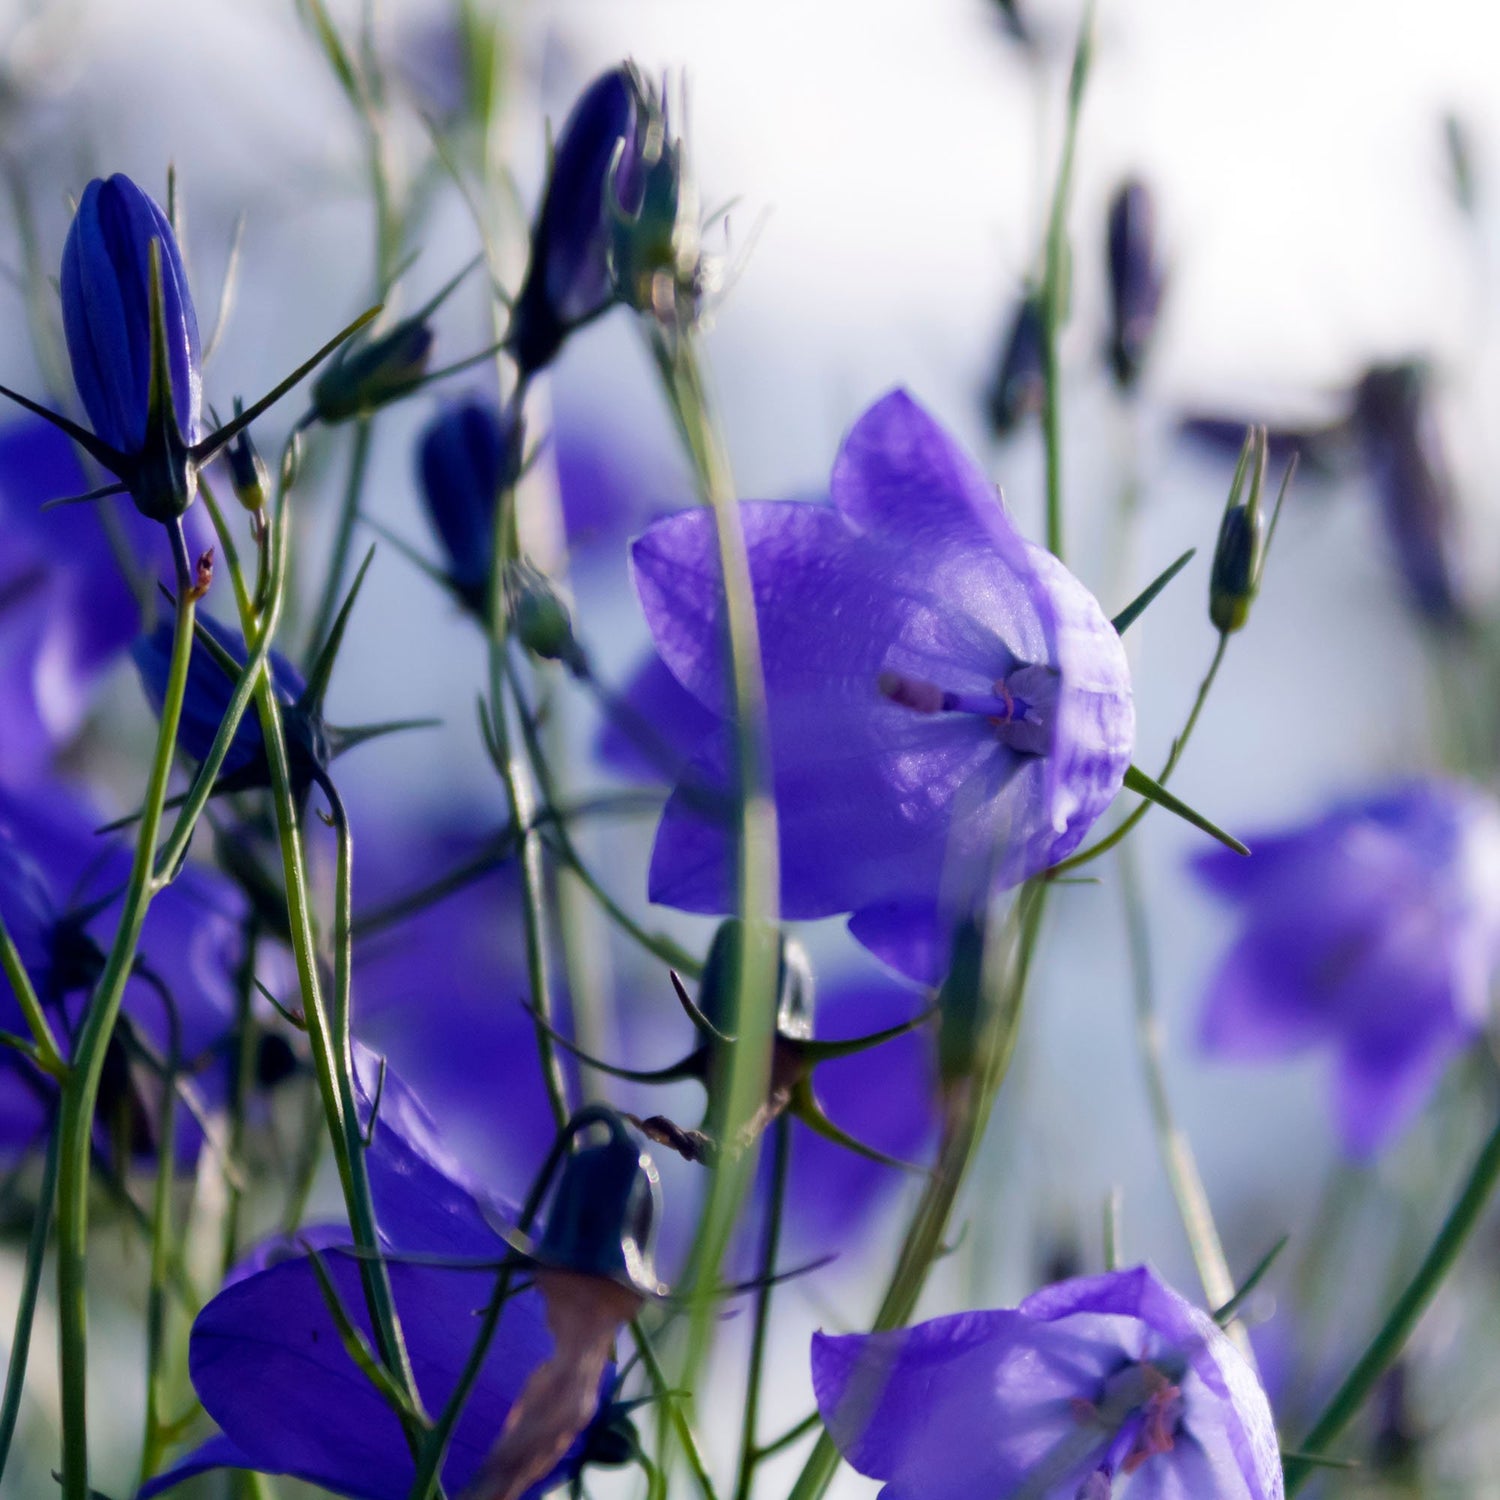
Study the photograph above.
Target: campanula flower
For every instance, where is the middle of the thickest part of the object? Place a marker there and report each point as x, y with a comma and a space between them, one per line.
1135, 280
947, 703
268, 1363
654, 726
1099, 1387
568, 280
467, 456
66, 611
1397, 431
1373, 931
60, 892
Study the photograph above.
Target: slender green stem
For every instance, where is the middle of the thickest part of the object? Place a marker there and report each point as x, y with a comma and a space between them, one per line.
757, 881
31, 1281
48, 1056
750, 1454
241, 1085
808, 1424
1177, 1157
155, 1440
1007, 964
343, 537
1055, 288
672, 1406
1115, 835
81, 1090
1389, 1340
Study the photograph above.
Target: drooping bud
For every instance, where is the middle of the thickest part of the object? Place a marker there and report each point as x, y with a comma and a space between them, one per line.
469, 455
1403, 451
1020, 381
369, 373
567, 276
1135, 280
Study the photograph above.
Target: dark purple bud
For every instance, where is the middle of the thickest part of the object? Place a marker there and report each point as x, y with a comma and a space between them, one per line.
1403, 453
1020, 381
371, 373
469, 454
209, 689
1135, 280
567, 277
106, 304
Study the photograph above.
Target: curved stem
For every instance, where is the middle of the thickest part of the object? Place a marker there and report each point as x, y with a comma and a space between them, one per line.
343, 538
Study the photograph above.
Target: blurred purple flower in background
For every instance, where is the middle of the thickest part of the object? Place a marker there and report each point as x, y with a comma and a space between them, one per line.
1099, 1386
1020, 380
1373, 931
66, 612
467, 455
948, 706
1397, 432
60, 889
270, 1368
1135, 280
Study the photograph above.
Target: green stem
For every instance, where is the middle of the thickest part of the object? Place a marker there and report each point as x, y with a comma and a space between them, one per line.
153, 1443
1388, 1342
750, 1454
31, 1281
81, 1090
757, 874
1115, 835
672, 1406
343, 538
1177, 1157
241, 1086
49, 1058
1055, 288
1005, 969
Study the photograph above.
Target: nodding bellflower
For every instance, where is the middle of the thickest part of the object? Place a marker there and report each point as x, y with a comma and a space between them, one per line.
948, 707
1098, 1387
467, 455
568, 279
1135, 280
1020, 379
269, 1365
1373, 931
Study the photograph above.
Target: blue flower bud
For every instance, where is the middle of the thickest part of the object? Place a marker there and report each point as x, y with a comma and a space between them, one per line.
605, 1213
209, 688
1135, 280
106, 305
1020, 382
469, 454
567, 277
370, 373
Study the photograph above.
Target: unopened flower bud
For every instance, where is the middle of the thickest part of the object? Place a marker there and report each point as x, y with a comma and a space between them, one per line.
539, 619
1240, 552
247, 471
370, 373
